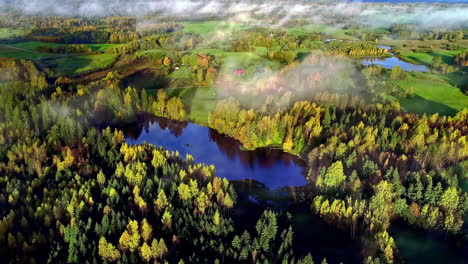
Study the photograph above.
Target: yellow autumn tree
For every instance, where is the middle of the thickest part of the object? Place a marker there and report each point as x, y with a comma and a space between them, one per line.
107, 251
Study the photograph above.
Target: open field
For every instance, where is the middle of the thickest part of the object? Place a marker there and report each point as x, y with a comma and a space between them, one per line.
205, 28
7, 33
406, 46
182, 73
11, 52
433, 94
200, 100
32, 45
27, 50
76, 65
232, 60
426, 58
152, 55
338, 33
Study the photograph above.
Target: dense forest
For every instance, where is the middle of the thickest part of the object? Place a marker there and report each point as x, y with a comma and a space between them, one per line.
377, 150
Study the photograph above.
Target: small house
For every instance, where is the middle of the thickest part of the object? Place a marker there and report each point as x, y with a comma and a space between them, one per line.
239, 72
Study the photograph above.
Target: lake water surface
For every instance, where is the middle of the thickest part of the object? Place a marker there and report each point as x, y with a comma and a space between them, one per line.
390, 62
272, 167
259, 176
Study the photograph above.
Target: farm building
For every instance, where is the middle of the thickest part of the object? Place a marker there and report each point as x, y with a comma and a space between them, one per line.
239, 72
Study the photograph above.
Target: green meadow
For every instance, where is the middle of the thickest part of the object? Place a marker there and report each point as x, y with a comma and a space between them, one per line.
76, 65
205, 28
27, 50
432, 94
426, 58
200, 100
9, 33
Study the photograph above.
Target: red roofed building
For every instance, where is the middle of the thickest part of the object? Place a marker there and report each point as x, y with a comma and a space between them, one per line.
239, 72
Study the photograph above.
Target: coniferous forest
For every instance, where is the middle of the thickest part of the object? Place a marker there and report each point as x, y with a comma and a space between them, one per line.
233, 132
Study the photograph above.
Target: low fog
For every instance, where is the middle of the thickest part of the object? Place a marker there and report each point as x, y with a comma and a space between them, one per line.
318, 75
372, 14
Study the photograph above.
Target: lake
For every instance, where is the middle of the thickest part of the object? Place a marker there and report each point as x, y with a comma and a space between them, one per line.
390, 62
263, 178
272, 167
270, 178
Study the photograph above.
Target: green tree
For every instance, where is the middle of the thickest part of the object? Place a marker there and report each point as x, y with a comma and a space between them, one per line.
334, 177
397, 73
167, 219
101, 178
450, 199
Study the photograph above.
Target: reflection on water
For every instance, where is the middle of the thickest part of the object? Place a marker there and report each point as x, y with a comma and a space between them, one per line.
390, 62
258, 175
420, 246
272, 167
311, 233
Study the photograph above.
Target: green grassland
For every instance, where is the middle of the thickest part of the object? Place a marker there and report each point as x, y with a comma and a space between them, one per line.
182, 73
32, 45
338, 33
433, 94
27, 50
76, 65
7, 52
240, 60
426, 58
200, 100
205, 28
408, 46
8, 33
153, 55
100, 47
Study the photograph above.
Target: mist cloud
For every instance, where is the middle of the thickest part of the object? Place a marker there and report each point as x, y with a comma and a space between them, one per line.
372, 14
317, 73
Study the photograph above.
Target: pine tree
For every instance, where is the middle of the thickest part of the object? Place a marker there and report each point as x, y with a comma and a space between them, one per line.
167, 219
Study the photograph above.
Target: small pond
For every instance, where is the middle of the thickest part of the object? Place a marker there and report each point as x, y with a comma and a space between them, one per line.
272, 167
390, 62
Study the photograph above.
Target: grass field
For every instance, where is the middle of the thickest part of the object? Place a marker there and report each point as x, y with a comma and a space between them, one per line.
29, 50
240, 60
426, 58
100, 47
182, 73
338, 33
205, 28
408, 46
33, 45
433, 94
200, 100
8, 33
335, 32
76, 65
153, 55
6, 52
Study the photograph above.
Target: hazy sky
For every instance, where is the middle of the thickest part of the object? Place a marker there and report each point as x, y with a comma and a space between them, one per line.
424, 14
